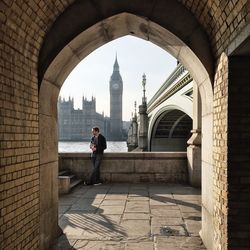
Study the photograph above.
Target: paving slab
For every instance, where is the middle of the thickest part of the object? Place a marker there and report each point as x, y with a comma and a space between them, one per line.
139, 246
162, 202
190, 208
112, 196
82, 206
130, 217
135, 228
165, 221
110, 210
113, 202
193, 227
97, 245
137, 198
95, 195
167, 230
177, 243
140, 193
173, 212
137, 206
136, 216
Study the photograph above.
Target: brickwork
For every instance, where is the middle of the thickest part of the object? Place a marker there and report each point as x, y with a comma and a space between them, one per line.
222, 20
220, 153
19, 202
24, 25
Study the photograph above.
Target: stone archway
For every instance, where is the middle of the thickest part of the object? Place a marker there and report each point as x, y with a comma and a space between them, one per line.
58, 60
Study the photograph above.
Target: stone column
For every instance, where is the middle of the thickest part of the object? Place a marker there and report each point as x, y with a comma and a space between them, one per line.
49, 229
143, 127
194, 148
135, 132
132, 142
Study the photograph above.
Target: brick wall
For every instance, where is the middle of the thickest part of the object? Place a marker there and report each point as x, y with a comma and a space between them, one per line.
222, 20
23, 26
220, 153
19, 190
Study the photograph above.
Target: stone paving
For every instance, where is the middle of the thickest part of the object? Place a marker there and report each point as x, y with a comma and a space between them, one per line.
130, 217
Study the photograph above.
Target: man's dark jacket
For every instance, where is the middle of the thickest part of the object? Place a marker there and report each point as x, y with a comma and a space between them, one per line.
101, 145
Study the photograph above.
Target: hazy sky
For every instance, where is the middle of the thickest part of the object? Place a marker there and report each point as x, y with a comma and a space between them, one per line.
135, 57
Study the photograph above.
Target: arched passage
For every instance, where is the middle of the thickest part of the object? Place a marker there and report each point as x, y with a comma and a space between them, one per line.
59, 56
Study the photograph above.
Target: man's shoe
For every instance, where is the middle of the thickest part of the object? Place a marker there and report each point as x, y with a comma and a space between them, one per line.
97, 184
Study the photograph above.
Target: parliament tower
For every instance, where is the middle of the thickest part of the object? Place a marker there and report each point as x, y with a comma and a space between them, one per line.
116, 88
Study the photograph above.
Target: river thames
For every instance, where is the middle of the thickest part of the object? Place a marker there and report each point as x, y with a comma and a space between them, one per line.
83, 146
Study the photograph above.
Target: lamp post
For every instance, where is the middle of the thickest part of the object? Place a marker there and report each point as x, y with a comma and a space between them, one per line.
135, 109
143, 126
144, 100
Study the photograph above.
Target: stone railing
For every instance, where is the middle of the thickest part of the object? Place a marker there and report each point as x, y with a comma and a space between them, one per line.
131, 167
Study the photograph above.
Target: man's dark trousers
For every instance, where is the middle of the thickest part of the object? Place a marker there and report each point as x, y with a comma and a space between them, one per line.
96, 161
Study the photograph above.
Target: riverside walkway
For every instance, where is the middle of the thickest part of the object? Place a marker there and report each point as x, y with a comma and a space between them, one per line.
130, 217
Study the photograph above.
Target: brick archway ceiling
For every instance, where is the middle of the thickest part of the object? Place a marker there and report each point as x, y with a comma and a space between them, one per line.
81, 15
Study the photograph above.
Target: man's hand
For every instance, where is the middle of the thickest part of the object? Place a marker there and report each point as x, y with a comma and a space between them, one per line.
93, 147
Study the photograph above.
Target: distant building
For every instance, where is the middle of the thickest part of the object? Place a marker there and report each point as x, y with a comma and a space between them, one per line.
75, 125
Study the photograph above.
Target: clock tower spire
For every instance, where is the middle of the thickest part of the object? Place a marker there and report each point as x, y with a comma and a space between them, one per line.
116, 89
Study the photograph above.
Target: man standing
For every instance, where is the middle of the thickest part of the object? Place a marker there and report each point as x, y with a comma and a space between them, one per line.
98, 145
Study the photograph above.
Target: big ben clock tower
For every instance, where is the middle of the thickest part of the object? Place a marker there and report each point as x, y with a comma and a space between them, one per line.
116, 88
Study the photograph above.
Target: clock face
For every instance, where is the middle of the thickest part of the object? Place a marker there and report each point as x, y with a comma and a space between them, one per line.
115, 86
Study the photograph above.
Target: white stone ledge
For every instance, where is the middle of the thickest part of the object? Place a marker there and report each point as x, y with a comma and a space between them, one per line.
129, 155
132, 167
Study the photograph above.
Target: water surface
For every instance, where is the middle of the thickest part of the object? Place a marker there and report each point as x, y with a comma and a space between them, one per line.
83, 146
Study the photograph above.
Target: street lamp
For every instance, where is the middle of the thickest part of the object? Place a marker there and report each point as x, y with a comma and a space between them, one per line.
143, 85
135, 109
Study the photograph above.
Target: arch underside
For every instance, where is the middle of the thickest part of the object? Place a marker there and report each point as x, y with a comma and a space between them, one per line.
171, 131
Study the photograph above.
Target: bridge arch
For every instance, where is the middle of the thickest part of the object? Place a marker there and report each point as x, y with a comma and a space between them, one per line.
86, 33
170, 130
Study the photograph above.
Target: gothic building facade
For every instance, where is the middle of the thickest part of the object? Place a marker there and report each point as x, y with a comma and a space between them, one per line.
75, 125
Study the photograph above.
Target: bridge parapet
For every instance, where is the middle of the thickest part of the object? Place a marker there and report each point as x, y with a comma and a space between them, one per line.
135, 167
179, 78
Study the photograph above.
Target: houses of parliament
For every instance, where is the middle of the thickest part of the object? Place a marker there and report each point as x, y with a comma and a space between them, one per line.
76, 125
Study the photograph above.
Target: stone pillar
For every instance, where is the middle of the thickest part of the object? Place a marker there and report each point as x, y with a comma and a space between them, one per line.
132, 142
194, 148
135, 132
49, 229
143, 127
